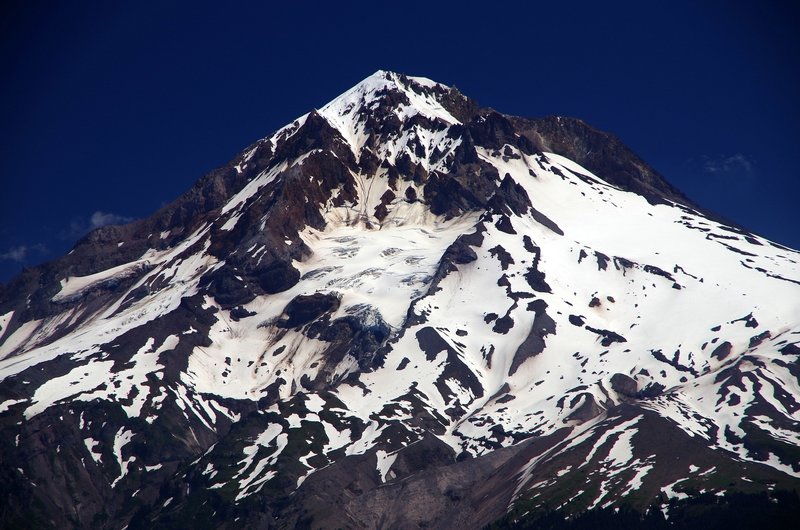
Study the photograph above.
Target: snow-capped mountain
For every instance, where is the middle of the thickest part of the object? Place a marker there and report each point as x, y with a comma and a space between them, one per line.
401, 310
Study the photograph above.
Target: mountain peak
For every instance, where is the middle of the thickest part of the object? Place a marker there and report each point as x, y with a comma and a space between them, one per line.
383, 104
398, 286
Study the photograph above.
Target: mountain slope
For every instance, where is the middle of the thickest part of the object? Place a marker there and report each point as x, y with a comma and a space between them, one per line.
401, 309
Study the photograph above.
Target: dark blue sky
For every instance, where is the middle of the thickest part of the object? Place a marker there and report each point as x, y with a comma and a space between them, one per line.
108, 111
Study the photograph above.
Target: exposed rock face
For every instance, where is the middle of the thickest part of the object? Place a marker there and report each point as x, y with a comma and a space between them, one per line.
624, 385
306, 308
400, 310
599, 152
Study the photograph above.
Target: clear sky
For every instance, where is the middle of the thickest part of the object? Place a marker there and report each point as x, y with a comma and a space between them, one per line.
109, 110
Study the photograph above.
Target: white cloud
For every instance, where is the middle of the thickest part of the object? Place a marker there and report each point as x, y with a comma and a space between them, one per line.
79, 227
22, 252
733, 164
99, 219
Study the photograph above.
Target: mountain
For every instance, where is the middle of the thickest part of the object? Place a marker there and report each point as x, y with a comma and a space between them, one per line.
402, 310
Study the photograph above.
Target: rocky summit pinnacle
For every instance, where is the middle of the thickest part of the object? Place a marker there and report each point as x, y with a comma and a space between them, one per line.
403, 310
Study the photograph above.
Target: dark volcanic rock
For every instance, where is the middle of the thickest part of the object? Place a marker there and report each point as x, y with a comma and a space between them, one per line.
758, 339
624, 385
447, 196
534, 344
432, 343
722, 351
608, 337
502, 256
305, 308
510, 197
576, 320
588, 410
227, 287
277, 277
460, 252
